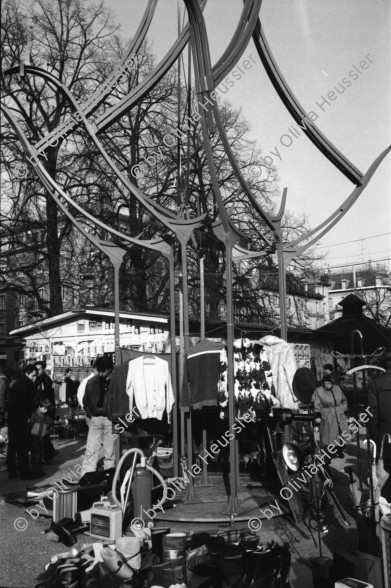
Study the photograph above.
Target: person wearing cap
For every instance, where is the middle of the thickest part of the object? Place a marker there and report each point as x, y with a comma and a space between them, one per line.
100, 426
330, 401
328, 370
40, 423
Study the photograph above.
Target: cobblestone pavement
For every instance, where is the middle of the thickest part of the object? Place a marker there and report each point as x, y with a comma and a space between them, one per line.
24, 552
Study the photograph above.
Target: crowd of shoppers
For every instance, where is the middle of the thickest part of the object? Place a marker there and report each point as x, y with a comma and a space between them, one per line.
28, 407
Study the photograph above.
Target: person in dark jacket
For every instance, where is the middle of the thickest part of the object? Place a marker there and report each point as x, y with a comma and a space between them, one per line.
40, 423
45, 391
328, 370
379, 400
20, 406
100, 426
44, 385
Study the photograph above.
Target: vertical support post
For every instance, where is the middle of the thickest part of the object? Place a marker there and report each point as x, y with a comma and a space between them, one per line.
190, 494
233, 506
205, 480
202, 298
116, 255
117, 347
173, 363
282, 289
181, 369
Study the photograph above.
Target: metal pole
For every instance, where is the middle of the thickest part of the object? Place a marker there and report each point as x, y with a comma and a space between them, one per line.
282, 290
173, 363
116, 313
190, 494
233, 504
202, 298
181, 366
205, 480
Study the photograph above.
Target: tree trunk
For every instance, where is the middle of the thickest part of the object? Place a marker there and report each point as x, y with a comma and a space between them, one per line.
53, 245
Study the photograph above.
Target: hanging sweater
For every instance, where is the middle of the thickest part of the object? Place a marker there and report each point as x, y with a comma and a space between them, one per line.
203, 365
149, 384
283, 366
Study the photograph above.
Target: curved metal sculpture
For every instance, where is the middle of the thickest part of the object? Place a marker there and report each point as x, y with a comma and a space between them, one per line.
206, 80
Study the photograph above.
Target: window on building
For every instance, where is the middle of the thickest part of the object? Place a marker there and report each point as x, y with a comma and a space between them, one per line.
2, 301
2, 329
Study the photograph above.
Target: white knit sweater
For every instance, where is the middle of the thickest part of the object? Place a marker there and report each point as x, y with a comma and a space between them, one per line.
149, 385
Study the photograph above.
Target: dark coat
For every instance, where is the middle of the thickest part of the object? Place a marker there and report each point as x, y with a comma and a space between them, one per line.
21, 398
332, 405
44, 388
379, 400
92, 395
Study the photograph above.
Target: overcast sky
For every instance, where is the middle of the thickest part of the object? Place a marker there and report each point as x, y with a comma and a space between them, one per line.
316, 43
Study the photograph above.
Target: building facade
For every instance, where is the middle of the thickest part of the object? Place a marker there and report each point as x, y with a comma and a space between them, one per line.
74, 339
372, 286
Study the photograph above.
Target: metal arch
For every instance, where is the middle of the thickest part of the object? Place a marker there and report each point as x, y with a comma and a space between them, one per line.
153, 207
127, 102
52, 186
297, 111
98, 96
239, 41
345, 206
204, 85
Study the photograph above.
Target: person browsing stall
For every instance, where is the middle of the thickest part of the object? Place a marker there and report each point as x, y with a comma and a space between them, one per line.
328, 370
330, 401
41, 423
20, 406
100, 426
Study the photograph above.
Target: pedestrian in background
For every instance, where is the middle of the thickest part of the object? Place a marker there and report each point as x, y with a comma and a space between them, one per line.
82, 390
56, 388
43, 384
20, 406
328, 370
379, 400
45, 391
70, 389
100, 426
330, 401
40, 430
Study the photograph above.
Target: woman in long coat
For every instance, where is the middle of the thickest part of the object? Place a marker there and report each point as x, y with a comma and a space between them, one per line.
330, 401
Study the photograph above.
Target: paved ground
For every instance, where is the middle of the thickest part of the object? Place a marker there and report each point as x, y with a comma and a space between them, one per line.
24, 553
